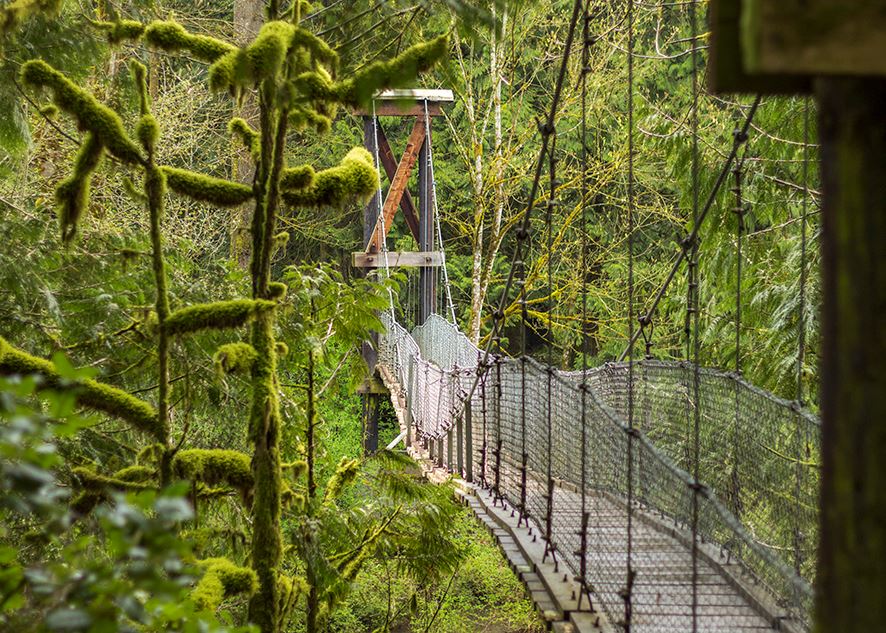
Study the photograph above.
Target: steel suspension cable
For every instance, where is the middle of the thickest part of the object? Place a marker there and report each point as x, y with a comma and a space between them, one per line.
646, 318
693, 309
550, 545
801, 321
629, 569
584, 588
446, 286
546, 130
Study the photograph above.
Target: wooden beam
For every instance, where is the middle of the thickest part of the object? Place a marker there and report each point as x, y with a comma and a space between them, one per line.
386, 157
726, 70
814, 37
427, 259
392, 108
398, 185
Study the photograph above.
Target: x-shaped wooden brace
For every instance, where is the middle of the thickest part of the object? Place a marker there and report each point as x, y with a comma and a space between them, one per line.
399, 175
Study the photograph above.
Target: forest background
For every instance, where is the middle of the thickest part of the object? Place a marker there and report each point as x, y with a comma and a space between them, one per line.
91, 299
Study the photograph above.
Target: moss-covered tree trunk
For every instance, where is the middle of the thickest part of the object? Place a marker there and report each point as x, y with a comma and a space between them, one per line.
264, 421
852, 558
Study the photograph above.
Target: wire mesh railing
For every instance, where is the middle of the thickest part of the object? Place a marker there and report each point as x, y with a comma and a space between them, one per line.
756, 497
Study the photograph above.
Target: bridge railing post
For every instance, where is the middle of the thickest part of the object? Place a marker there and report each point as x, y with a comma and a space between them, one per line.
449, 449
439, 448
459, 446
469, 442
409, 399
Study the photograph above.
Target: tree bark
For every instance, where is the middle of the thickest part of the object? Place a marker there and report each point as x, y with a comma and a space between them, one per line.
248, 18
851, 580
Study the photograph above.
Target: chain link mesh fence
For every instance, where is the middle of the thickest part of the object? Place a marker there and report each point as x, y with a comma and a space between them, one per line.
735, 551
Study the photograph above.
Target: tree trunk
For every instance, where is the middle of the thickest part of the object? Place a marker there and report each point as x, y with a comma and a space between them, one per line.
852, 556
248, 18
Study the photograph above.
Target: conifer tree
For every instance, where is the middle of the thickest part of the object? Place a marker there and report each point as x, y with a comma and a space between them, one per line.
297, 80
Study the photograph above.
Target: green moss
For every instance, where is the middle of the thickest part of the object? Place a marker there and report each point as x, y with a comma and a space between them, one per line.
149, 454
92, 481
72, 193
140, 75
280, 241
297, 468
261, 59
135, 473
215, 316
281, 349
277, 290
90, 393
50, 111
214, 467
91, 115
297, 178
319, 50
172, 37
250, 138
354, 179
290, 589
148, 132
345, 473
301, 118
398, 72
218, 191
235, 358
84, 502
122, 30
222, 579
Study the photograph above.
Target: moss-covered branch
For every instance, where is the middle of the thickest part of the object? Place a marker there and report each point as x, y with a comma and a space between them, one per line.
235, 358
222, 579
131, 478
214, 467
261, 59
121, 30
172, 37
250, 138
72, 193
85, 108
354, 179
215, 316
203, 188
90, 393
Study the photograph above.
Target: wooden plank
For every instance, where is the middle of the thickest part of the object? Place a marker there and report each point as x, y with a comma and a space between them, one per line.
417, 94
398, 184
394, 108
814, 37
727, 73
386, 157
429, 259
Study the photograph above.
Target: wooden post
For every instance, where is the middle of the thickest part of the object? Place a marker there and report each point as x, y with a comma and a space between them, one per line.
409, 397
368, 349
459, 445
469, 443
449, 450
851, 579
440, 452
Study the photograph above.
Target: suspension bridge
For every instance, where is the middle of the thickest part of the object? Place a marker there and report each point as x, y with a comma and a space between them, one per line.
638, 495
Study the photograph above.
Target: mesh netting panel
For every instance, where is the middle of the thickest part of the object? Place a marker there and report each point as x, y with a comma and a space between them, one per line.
758, 465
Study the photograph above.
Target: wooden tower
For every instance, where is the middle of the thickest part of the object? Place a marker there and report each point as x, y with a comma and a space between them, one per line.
378, 217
